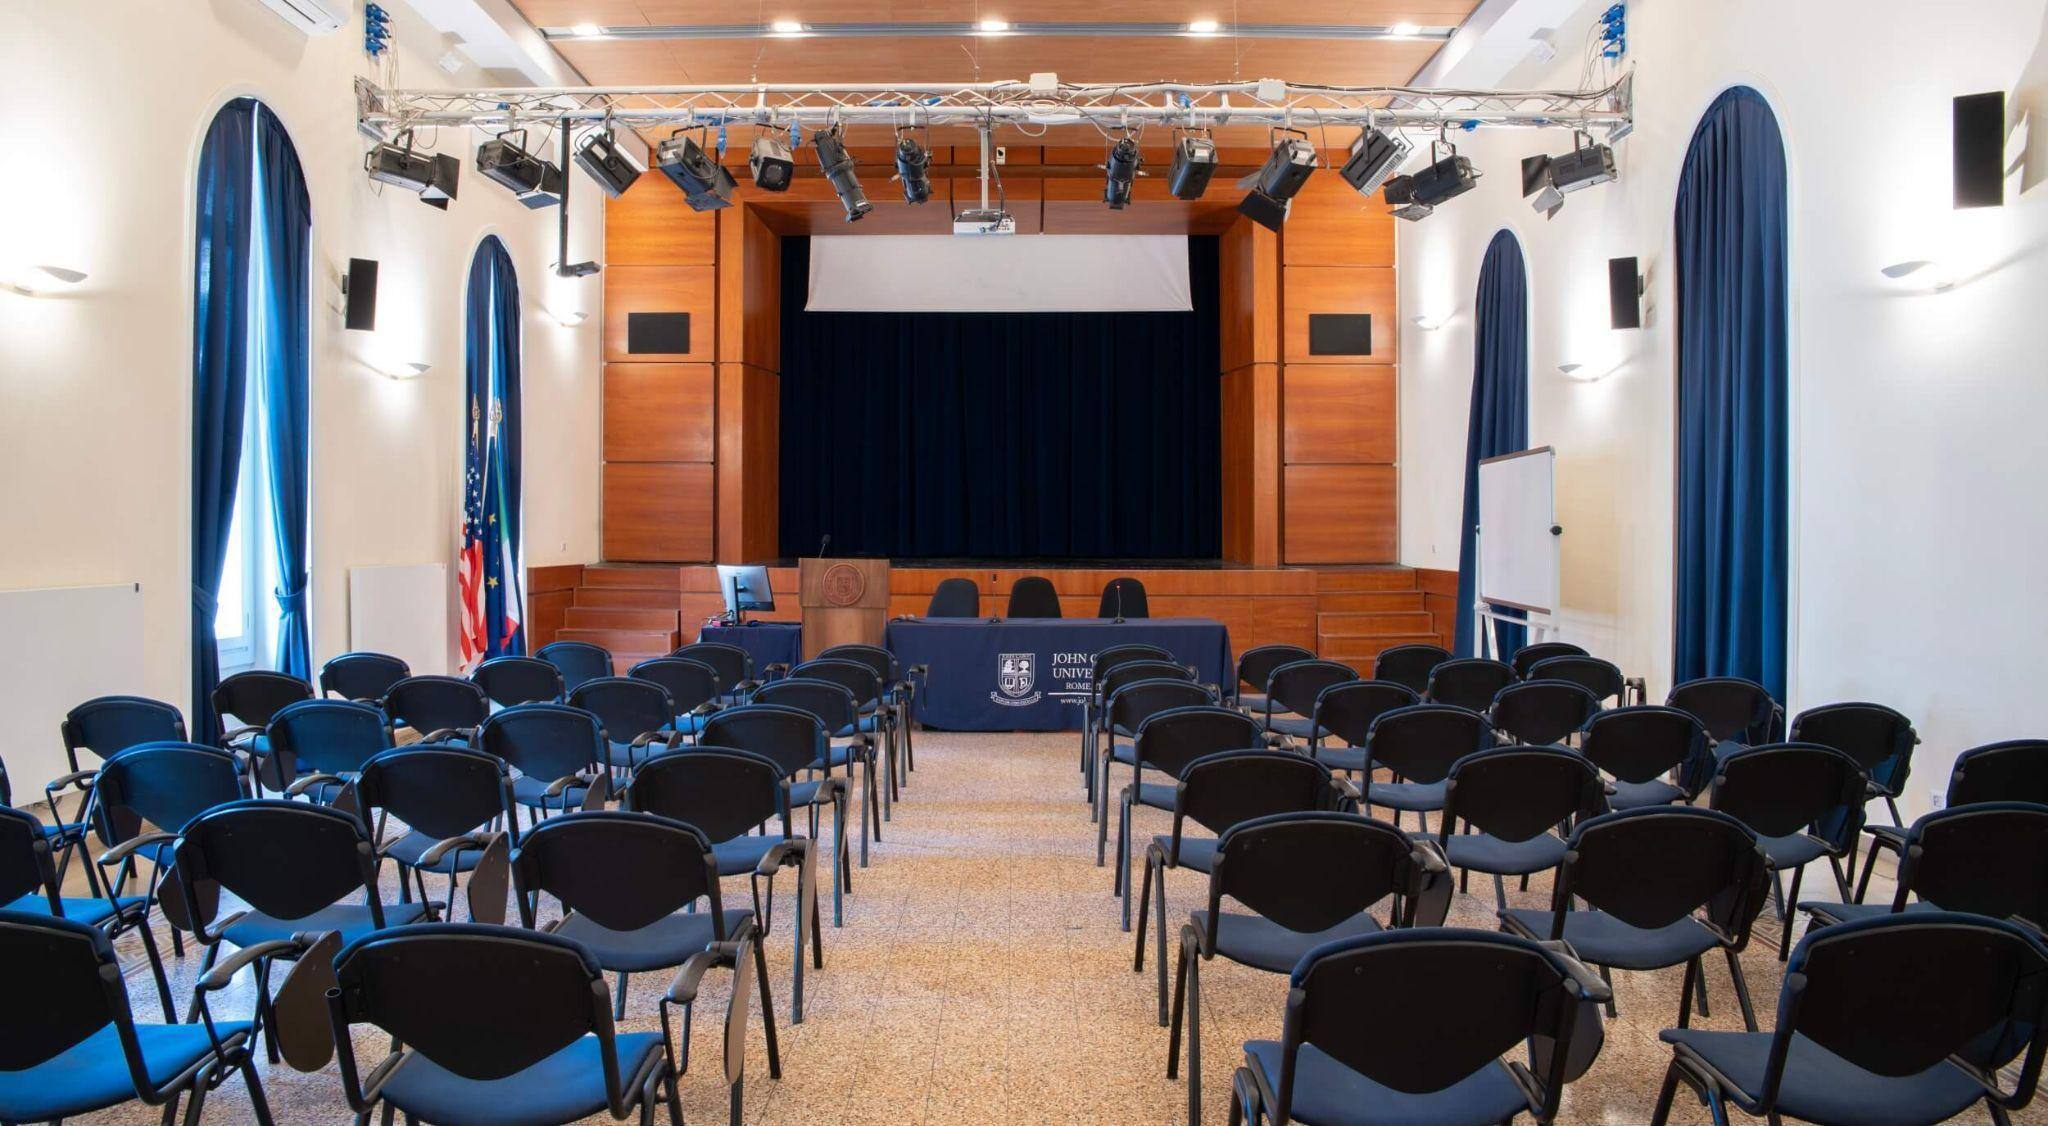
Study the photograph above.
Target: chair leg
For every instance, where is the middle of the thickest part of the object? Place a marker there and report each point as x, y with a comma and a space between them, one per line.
1101, 831
767, 1010
1741, 988
1692, 972
1791, 915
1699, 989
1869, 866
206, 962
840, 873
156, 966
1500, 893
1180, 989
1194, 1042
1144, 906
1123, 855
1159, 937
195, 1103
257, 1102
1607, 975
619, 998
1665, 1095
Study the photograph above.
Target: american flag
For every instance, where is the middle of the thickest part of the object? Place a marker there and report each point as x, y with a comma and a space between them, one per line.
488, 571
469, 572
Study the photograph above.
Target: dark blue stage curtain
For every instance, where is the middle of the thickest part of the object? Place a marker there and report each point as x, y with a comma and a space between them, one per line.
1499, 422
1002, 435
287, 233
1733, 380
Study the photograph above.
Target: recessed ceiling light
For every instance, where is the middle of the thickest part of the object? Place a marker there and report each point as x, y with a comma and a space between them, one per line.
1404, 30
993, 27
586, 31
788, 27
1203, 27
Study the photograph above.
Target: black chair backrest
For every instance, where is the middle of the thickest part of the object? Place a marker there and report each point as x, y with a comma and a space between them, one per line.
1409, 665
252, 697
436, 703
1420, 743
1255, 665
1295, 687
1543, 711
1230, 787
511, 681
1168, 741
721, 791
1107, 660
286, 859
1516, 793
330, 736
2014, 770
1310, 871
1644, 742
1985, 859
1653, 866
955, 598
1123, 598
1529, 656
165, 784
1033, 597
857, 677
873, 656
690, 683
628, 708
1348, 710
1136, 701
108, 725
1469, 682
733, 663
792, 738
578, 661
1778, 789
829, 702
1731, 707
545, 741
362, 676
621, 870
1877, 737
1131, 672
25, 866
1600, 677
63, 983
439, 789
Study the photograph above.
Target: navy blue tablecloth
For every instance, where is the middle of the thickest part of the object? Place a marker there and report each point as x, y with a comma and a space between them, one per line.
1031, 674
769, 643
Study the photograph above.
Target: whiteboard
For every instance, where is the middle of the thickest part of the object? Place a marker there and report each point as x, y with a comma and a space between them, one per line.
1518, 554
401, 609
69, 645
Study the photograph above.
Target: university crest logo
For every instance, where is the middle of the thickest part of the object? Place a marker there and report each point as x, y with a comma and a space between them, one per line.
1016, 675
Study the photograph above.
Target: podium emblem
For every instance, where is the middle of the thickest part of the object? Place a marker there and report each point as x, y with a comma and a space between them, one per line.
843, 584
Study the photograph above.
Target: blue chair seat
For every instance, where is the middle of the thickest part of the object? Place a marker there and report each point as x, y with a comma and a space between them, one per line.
1158, 795
1342, 758
1197, 854
1636, 795
838, 756
91, 912
868, 724
689, 724
68, 830
629, 756
1604, 940
408, 849
93, 1073
1792, 851
1327, 1093
1299, 726
1255, 940
1820, 1086
532, 792
658, 945
741, 855
564, 1087
351, 919
1483, 852
1252, 701
802, 794
1826, 912
1889, 834
1415, 797
1124, 753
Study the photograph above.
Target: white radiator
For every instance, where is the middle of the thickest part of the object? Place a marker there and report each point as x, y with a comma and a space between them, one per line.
65, 646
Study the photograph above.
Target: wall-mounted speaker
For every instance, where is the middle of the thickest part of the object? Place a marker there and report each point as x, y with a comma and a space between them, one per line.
1340, 334
664, 333
361, 289
1980, 150
1624, 293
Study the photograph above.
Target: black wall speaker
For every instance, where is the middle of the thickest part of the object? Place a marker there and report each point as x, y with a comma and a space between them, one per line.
667, 333
1980, 150
362, 293
1624, 293
1340, 334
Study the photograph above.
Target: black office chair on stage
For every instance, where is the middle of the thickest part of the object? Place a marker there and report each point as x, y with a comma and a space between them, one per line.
1983, 859
694, 689
1900, 1019
1787, 793
1123, 598
451, 800
438, 709
361, 676
1651, 888
1515, 803
1291, 694
793, 739
1542, 712
1468, 682
1418, 744
1528, 656
29, 886
1255, 666
955, 598
246, 701
1033, 597
1466, 999
1877, 737
2013, 770
577, 661
1409, 665
1644, 747
512, 681
639, 718
1602, 678
1348, 711
1307, 879
558, 752
734, 665
838, 717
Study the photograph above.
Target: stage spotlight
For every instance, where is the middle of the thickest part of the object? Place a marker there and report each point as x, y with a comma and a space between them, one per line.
706, 185
838, 165
1194, 162
913, 164
532, 181
1120, 171
1551, 178
1415, 197
1272, 187
611, 164
432, 175
771, 163
1374, 157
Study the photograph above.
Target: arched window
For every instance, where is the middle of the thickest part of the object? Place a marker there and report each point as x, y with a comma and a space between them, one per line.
1733, 397
1499, 423
490, 579
249, 405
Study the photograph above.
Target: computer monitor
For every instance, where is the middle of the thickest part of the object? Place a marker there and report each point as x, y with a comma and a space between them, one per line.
744, 588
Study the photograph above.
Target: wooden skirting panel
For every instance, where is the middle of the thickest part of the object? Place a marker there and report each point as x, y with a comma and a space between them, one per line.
549, 591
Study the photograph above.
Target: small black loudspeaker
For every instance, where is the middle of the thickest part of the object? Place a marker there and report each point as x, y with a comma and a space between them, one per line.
361, 289
1624, 293
666, 333
1340, 334
1980, 150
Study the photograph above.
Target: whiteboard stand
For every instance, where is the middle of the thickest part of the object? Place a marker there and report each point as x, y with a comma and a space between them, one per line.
1516, 547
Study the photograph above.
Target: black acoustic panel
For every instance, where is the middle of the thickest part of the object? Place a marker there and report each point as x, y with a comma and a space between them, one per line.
1340, 334
1624, 293
362, 293
666, 333
1980, 150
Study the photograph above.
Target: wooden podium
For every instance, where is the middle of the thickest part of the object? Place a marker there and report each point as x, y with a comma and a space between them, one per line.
845, 602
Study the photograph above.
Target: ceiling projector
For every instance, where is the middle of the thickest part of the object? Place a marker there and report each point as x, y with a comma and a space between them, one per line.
984, 221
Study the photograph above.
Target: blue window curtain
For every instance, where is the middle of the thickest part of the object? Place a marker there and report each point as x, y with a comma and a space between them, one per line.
1733, 397
490, 576
287, 232
1499, 422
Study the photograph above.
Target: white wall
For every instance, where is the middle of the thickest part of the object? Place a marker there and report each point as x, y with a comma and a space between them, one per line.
109, 102
1917, 460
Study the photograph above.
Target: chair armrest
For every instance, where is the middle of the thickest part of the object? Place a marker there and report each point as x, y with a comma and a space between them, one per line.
310, 781
442, 848
562, 785
683, 990
1591, 986
81, 779
775, 671
747, 687
128, 847
784, 855
462, 734
225, 970
708, 707
239, 732
1429, 855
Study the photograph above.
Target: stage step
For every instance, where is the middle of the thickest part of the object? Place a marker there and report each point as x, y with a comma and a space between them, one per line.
622, 663
591, 617
1375, 625
626, 598
1371, 602
639, 578
1358, 652
1330, 581
642, 641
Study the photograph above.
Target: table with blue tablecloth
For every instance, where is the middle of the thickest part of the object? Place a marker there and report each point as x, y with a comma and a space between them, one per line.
769, 643
1031, 674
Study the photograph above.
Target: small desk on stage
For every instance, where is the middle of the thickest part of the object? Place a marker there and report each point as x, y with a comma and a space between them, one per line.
1031, 674
768, 643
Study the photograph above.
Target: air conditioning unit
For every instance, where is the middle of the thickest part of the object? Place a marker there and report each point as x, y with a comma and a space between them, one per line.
313, 17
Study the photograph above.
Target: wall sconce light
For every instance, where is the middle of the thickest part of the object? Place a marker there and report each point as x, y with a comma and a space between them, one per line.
1580, 373
1428, 322
407, 369
570, 318
42, 281
1936, 278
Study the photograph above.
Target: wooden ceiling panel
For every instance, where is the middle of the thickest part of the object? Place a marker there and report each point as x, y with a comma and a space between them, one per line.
622, 13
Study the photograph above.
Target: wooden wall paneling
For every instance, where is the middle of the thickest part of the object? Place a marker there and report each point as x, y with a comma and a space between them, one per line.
1268, 500
761, 293
1236, 465
549, 591
658, 412
749, 486
1250, 293
657, 512
651, 225
1332, 225
661, 289
1309, 290
1340, 514
1338, 414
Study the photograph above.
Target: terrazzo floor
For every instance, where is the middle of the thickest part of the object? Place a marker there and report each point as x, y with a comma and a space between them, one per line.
981, 978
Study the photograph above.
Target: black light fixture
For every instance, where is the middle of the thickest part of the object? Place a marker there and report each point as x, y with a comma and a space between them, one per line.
433, 175
533, 181
838, 165
1194, 163
1120, 172
770, 162
1374, 157
1271, 189
612, 165
1551, 178
1448, 176
913, 167
706, 185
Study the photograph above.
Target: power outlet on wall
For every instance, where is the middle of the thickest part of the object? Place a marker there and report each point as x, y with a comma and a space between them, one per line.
1938, 801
